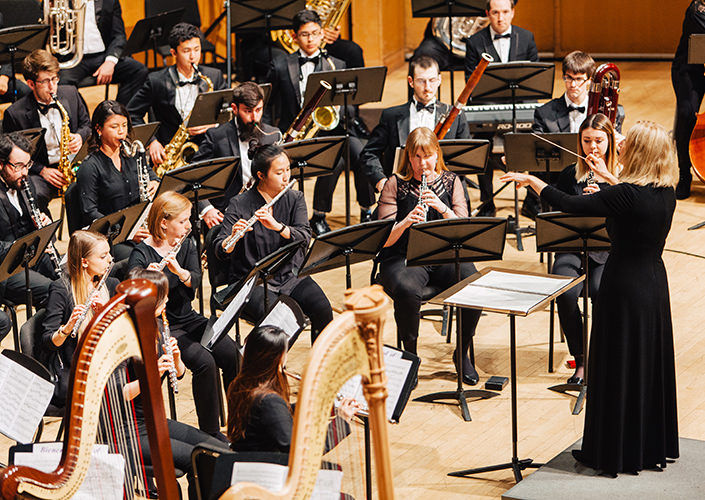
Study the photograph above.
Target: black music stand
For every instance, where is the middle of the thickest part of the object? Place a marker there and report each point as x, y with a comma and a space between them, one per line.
462, 156
18, 42
314, 157
24, 254
345, 247
561, 232
449, 9
452, 241
209, 106
151, 33
118, 225
352, 87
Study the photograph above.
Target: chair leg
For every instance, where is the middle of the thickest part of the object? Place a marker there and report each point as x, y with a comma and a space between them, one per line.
15, 330
107, 91
40, 430
61, 430
450, 324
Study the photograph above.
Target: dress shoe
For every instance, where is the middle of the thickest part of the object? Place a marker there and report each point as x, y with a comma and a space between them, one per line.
576, 380
470, 375
319, 225
683, 189
488, 210
365, 216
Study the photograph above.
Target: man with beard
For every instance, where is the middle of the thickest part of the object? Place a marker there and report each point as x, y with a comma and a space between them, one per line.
238, 138
16, 220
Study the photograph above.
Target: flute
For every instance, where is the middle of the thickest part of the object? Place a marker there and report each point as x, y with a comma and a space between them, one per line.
90, 299
173, 251
230, 241
166, 335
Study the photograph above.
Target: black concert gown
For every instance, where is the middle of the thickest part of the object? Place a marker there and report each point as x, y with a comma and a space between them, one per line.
631, 418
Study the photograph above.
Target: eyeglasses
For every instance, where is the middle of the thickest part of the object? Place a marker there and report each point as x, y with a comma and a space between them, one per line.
313, 34
424, 81
577, 81
18, 167
47, 81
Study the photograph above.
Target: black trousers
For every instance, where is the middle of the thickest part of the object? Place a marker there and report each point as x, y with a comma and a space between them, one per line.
40, 277
405, 286
129, 74
570, 264
22, 90
325, 185
204, 366
306, 293
689, 86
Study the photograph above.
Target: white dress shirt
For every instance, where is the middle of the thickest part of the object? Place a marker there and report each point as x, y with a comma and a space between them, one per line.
576, 117
52, 123
422, 118
245, 161
186, 95
306, 69
502, 45
13, 197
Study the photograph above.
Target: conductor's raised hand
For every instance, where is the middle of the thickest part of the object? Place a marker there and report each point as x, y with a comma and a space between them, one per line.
521, 179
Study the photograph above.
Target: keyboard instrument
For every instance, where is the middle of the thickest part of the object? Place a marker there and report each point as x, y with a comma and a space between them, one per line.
498, 117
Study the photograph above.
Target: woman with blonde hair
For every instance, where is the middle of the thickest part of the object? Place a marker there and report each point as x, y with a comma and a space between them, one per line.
88, 258
168, 222
631, 417
445, 199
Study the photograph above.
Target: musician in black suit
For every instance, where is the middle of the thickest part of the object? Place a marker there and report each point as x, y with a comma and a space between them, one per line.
505, 43
289, 76
234, 138
397, 122
6, 86
104, 41
172, 91
38, 109
16, 220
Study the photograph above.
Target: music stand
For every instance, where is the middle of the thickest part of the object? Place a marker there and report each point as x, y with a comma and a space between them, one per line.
24, 253
118, 225
352, 87
314, 157
18, 42
345, 247
452, 241
151, 33
561, 232
449, 9
270, 264
209, 107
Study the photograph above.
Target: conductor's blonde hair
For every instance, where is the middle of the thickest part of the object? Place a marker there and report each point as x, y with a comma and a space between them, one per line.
649, 157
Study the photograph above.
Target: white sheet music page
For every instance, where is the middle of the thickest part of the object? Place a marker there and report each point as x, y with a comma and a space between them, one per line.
273, 477
106, 472
25, 397
283, 317
233, 308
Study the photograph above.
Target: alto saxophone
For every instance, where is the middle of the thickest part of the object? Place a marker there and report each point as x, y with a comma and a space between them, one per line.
178, 151
64, 160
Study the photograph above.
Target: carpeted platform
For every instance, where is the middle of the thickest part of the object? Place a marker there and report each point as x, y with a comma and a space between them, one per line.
563, 477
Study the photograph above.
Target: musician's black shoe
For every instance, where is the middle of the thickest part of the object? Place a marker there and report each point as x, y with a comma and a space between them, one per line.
683, 189
365, 216
319, 225
470, 375
575, 380
489, 210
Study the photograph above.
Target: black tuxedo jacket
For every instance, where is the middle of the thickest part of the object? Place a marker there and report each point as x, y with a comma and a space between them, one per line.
377, 157
12, 224
553, 117
522, 48
108, 16
159, 93
24, 114
286, 96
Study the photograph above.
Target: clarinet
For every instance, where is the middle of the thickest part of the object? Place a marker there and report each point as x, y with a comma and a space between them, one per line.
90, 299
422, 188
229, 242
136, 148
173, 251
37, 220
166, 335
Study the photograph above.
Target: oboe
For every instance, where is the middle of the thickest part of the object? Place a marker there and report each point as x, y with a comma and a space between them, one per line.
230, 241
166, 335
173, 251
90, 299
422, 188
36, 216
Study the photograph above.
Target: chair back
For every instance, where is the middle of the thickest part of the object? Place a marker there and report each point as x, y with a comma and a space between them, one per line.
74, 215
30, 334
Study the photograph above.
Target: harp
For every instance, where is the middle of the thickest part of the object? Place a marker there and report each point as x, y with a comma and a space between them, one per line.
350, 345
125, 328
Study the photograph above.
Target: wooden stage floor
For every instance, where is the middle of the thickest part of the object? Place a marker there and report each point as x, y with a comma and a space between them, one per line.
432, 440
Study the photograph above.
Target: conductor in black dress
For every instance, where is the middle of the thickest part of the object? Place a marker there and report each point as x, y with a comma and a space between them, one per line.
505, 43
631, 420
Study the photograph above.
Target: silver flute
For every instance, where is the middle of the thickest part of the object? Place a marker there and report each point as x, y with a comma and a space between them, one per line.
136, 148
166, 335
173, 251
230, 241
423, 187
93, 295
36, 216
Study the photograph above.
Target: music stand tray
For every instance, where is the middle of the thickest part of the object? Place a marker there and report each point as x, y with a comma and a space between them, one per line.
118, 225
455, 241
345, 247
516, 80
200, 180
527, 153
462, 156
515, 293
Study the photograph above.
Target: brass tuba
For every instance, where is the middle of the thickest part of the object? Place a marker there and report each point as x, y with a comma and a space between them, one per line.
65, 19
330, 12
463, 28
604, 91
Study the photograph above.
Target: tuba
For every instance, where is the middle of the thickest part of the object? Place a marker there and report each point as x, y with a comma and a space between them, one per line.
463, 28
350, 345
604, 91
180, 150
330, 11
65, 19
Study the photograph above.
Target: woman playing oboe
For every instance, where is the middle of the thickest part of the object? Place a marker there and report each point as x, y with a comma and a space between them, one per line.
284, 222
168, 222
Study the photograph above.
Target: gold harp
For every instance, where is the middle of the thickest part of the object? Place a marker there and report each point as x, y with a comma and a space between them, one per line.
124, 328
350, 345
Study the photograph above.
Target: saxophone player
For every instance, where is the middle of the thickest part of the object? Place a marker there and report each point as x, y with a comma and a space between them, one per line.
40, 109
172, 91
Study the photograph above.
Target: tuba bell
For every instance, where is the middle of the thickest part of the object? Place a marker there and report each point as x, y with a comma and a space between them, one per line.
330, 11
65, 19
463, 28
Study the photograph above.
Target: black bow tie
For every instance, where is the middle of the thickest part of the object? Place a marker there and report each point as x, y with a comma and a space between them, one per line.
506, 35
580, 109
303, 60
183, 83
428, 107
44, 108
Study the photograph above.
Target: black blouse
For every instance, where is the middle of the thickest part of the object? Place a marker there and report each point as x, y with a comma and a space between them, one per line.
269, 426
105, 189
290, 209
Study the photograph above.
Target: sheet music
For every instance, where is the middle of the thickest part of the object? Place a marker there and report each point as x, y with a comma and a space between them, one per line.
105, 476
273, 478
25, 398
328, 485
283, 317
233, 308
522, 282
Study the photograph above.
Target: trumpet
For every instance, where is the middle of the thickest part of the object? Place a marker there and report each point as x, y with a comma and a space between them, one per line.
172, 252
93, 295
166, 335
